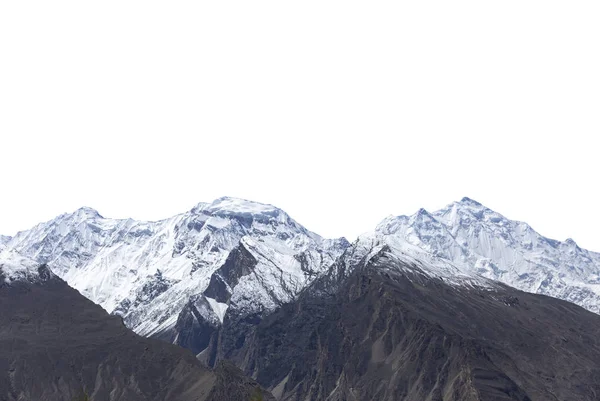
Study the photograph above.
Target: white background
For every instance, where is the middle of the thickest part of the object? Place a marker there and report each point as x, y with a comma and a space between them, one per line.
339, 112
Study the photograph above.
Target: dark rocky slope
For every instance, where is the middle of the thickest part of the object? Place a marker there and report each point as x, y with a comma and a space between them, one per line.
387, 332
56, 345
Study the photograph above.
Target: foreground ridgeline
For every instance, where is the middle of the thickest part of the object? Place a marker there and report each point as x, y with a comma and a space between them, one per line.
417, 309
387, 331
56, 345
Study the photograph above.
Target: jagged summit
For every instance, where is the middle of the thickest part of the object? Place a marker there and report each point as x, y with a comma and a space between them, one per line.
571, 242
423, 212
116, 263
468, 201
87, 212
479, 240
243, 210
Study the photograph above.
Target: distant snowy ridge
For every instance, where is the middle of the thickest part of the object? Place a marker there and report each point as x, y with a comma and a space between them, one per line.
149, 271
242, 257
483, 242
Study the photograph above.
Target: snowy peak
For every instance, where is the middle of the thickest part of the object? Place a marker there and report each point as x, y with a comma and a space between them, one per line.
235, 206
246, 212
466, 211
484, 242
470, 202
148, 272
571, 244
87, 213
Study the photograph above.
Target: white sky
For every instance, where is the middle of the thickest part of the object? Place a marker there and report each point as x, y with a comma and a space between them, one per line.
339, 112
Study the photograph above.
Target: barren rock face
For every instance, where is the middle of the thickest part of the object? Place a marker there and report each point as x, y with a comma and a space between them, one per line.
56, 345
385, 333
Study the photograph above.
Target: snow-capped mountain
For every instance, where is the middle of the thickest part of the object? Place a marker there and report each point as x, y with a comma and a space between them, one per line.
417, 293
480, 241
233, 255
148, 272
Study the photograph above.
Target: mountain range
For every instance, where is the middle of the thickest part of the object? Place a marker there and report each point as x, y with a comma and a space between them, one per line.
427, 306
148, 272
